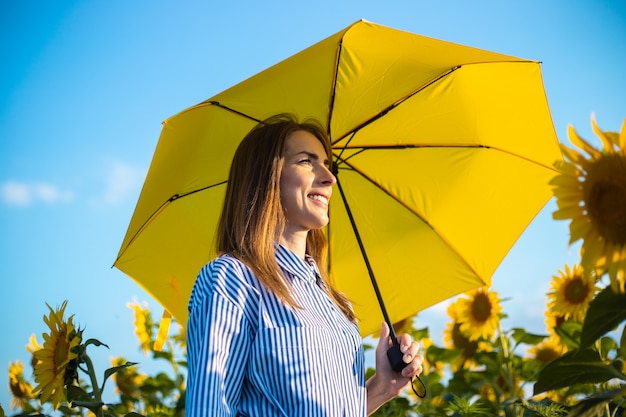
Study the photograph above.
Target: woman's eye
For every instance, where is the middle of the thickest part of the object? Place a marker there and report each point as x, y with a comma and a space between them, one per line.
305, 161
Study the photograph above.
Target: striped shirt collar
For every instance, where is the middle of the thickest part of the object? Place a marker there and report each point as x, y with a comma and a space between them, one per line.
303, 269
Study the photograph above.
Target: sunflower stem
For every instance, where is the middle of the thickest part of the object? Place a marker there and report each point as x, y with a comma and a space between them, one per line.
97, 393
506, 361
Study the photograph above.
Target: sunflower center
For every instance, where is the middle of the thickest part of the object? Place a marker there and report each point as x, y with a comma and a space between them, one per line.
460, 341
575, 291
546, 354
481, 307
604, 192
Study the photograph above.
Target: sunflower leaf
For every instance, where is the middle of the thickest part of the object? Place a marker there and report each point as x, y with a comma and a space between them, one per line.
522, 336
93, 406
570, 333
95, 342
114, 369
79, 397
575, 367
436, 354
76, 393
594, 405
606, 311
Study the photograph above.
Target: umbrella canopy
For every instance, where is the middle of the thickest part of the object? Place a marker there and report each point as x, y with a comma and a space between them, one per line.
443, 153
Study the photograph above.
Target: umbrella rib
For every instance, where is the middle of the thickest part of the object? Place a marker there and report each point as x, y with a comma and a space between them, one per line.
405, 98
368, 265
361, 149
393, 197
220, 105
158, 210
333, 91
395, 104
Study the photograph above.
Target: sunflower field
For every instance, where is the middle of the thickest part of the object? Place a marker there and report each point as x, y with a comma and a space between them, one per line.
576, 368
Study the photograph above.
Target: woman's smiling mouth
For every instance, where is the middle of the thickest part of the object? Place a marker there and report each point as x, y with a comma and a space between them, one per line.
319, 197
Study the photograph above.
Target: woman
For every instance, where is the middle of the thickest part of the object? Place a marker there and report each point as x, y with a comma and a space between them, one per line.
268, 335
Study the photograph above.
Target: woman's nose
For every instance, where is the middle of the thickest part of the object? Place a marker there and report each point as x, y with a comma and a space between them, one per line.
328, 176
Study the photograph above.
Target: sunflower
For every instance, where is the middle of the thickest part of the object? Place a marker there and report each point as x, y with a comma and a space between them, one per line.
57, 359
591, 192
454, 338
143, 325
21, 389
547, 350
479, 314
570, 293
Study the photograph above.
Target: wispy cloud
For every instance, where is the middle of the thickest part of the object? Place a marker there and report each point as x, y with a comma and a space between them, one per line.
122, 181
23, 194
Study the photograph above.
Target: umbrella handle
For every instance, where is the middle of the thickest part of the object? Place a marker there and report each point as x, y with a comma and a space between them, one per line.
397, 364
395, 357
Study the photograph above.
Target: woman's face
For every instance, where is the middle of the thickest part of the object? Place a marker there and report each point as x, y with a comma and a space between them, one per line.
305, 183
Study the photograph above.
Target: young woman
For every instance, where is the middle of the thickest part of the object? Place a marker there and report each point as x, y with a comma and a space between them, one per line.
268, 335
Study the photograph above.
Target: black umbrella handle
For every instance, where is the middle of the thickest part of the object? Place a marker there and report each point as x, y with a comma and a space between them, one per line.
395, 356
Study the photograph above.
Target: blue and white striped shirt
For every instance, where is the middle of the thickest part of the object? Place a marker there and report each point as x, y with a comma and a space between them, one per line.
249, 354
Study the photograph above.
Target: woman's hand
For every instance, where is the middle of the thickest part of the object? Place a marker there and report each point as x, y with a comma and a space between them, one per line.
386, 384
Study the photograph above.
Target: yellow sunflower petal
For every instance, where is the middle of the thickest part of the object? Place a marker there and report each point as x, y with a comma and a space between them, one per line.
593, 253
571, 169
605, 137
617, 263
621, 142
574, 157
565, 181
579, 228
581, 143
566, 213
565, 199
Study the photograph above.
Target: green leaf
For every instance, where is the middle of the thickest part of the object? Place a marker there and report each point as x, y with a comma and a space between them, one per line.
114, 369
419, 334
162, 355
576, 367
437, 354
95, 342
94, 406
489, 360
521, 336
595, 405
606, 311
606, 346
76, 393
570, 333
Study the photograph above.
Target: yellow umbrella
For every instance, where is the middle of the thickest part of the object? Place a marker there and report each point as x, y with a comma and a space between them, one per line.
443, 155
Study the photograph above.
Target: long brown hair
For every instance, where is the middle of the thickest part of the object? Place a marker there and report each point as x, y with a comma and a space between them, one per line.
252, 217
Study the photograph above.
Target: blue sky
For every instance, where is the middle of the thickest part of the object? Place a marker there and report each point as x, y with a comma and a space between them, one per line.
86, 84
